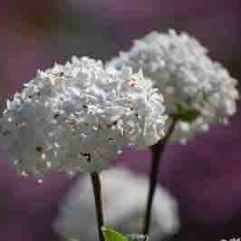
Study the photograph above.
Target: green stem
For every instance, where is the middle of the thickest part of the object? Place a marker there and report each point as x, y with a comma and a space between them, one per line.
157, 152
96, 184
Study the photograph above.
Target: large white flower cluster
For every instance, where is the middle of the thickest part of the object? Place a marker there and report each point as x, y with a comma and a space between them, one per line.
189, 80
79, 116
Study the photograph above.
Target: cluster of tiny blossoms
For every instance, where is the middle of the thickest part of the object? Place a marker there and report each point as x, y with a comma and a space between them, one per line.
79, 116
180, 68
232, 239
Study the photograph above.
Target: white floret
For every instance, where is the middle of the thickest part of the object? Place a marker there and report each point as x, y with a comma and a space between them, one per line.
78, 117
181, 69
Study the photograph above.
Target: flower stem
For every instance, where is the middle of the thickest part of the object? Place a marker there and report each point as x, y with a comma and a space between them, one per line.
96, 184
157, 152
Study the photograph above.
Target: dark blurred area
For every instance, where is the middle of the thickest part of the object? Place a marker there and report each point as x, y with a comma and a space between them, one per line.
204, 176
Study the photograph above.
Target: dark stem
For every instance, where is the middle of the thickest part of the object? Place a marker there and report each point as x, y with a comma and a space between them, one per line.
157, 152
96, 184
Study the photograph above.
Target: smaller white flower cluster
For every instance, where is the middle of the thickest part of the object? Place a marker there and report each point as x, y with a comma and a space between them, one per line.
124, 196
180, 68
79, 116
232, 239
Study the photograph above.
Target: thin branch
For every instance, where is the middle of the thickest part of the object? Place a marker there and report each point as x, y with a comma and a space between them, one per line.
96, 184
157, 152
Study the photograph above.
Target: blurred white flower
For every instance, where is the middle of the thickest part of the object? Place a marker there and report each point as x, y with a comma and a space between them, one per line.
78, 117
124, 200
232, 239
181, 69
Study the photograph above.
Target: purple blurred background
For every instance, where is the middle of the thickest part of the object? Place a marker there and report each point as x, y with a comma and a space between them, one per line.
204, 176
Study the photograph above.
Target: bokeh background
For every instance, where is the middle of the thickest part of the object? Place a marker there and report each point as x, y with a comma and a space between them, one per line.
204, 176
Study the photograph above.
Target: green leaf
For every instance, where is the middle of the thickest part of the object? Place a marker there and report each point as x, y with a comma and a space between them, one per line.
186, 114
112, 235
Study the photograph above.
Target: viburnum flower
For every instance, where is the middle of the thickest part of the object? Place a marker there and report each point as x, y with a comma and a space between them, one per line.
196, 89
124, 195
232, 239
78, 117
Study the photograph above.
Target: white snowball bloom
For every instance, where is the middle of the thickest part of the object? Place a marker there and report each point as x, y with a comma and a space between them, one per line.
78, 117
124, 200
232, 239
181, 69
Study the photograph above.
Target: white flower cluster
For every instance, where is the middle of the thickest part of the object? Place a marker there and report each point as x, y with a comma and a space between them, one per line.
232, 239
124, 201
79, 116
185, 75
